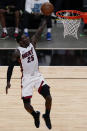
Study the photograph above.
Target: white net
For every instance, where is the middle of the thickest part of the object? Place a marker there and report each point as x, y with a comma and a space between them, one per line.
71, 20
71, 26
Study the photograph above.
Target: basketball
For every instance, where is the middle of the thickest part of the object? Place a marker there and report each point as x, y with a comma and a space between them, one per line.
47, 8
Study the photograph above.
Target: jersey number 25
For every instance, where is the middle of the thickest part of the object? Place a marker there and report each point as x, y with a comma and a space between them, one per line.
30, 58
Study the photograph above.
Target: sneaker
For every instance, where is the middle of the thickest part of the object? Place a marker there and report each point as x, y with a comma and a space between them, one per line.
37, 119
4, 36
15, 35
26, 34
47, 121
48, 36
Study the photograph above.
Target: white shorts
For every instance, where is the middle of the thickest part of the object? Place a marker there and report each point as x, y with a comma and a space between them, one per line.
31, 82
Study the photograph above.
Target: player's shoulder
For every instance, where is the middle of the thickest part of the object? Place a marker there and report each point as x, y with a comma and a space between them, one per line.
19, 48
31, 45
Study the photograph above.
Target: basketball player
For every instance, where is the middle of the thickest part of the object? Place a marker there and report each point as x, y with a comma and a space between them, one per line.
32, 78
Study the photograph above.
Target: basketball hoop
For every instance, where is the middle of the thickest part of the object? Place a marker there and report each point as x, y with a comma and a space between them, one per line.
71, 20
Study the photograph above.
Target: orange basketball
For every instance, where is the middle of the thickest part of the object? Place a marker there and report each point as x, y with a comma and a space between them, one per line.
47, 8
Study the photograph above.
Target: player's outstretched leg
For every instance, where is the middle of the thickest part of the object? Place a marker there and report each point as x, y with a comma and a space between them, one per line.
35, 114
47, 121
36, 119
45, 92
46, 116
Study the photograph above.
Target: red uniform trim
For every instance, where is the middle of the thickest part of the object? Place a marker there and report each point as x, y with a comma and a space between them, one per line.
22, 74
26, 97
40, 86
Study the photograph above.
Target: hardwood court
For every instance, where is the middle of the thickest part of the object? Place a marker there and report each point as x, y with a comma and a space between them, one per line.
69, 92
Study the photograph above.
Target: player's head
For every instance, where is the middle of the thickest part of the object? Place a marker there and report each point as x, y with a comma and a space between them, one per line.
22, 40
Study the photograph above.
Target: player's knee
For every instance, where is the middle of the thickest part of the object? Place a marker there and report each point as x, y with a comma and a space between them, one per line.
49, 98
45, 91
27, 106
26, 103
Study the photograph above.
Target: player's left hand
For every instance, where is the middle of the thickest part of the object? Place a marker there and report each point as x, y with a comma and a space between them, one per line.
7, 87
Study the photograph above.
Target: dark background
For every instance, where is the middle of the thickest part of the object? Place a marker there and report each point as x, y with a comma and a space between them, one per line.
70, 5
51, 57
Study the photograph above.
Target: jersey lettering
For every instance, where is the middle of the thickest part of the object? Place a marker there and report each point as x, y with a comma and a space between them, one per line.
30, 52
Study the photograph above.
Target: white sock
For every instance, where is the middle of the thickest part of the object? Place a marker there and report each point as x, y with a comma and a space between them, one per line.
16, 30
5, 30
49, 30
26, 30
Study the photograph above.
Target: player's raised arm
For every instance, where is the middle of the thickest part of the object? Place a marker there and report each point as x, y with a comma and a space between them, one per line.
38, 33
10, 69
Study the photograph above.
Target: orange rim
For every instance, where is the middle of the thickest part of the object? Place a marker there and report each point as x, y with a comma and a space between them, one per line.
69, 17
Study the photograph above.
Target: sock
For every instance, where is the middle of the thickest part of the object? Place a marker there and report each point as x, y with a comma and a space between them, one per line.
33, 113
49, 30
26, 30
47, 112
5, 30
16, 30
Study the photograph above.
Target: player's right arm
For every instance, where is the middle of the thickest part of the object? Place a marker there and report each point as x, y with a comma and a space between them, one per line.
15, 57
35, 38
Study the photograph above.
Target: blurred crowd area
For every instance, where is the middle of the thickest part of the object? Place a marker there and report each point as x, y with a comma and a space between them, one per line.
51, 57
18, 6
